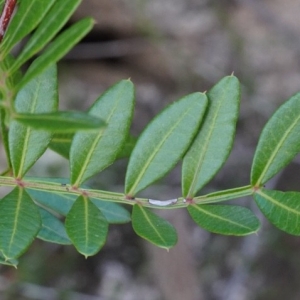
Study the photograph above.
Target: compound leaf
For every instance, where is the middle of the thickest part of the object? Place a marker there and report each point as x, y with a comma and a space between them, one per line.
86, 226
279, 142
92, 152
214, 141
19, 223
281, 208
26, 145
164, 141
153, 228
225, 219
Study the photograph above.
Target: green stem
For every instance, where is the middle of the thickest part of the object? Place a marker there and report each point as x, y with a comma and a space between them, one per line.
46, 186
225, 195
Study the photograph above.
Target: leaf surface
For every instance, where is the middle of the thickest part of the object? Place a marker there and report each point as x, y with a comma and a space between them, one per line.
28, 15
8, 262
4, 135
127, 147
57, 16
114, 213
214, 141
164, 141
61, 143
153, 228
62, 203
58, 48
281, 208
225, 219
90, 153
61, 121
279, 142
19, 223
26, 145
52, 230
86, 227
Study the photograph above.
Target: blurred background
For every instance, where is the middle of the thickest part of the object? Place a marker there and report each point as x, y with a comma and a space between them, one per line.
171, 48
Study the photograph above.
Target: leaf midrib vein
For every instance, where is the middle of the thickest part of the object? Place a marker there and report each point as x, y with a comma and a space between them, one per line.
95, 143
221, 218
153, 226
156, 150
28, 130
206, 146
275, 152
86, 221
17, 212
261, 193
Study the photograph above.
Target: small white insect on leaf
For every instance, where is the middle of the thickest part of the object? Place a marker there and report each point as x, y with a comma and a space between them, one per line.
162, 202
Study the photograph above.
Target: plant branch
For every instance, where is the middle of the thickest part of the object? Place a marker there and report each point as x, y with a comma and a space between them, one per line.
62, 188
6, 14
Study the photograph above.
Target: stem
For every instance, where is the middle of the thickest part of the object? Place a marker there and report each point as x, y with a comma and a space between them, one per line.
225, 195
6, 14
47, 186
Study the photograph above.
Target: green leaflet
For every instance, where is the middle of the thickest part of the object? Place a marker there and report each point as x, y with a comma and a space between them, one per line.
57, 16
58, 48
86, 226
214, 141
52, 230
153, 228
27, 17
61, 143
61, 121
279, 142
90, 153
281, 208
8, 82
114, 213
4, 135
164, 141
127, 147
26, 145
8, 262
62, 203
225, 219
19, 223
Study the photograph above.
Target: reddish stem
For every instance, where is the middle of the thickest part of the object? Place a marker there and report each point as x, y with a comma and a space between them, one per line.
7, 12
